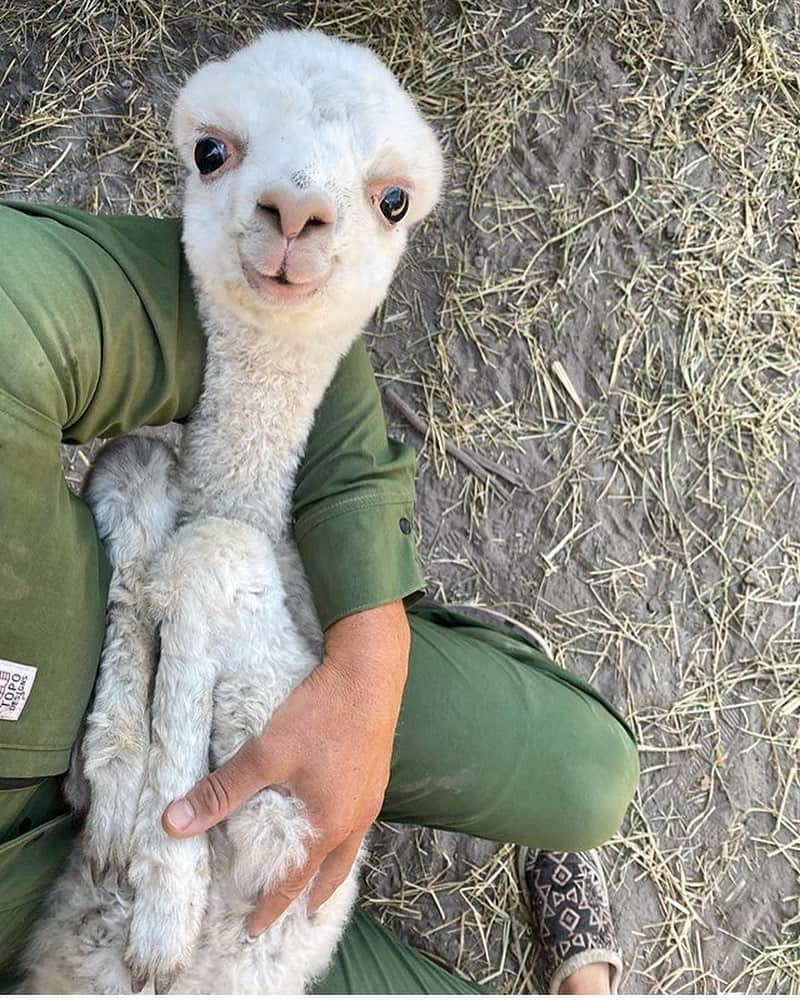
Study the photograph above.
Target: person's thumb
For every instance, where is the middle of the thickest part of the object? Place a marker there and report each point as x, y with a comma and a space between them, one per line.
219, 793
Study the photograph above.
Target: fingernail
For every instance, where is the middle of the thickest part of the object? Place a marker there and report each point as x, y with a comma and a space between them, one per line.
251, 938
180, 814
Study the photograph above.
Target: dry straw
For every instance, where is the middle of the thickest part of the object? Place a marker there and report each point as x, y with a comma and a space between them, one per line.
607, 310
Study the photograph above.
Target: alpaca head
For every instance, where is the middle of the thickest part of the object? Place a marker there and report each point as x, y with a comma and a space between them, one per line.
307, 166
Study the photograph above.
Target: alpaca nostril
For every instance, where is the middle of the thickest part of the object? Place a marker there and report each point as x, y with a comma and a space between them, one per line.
296, 211
271, 212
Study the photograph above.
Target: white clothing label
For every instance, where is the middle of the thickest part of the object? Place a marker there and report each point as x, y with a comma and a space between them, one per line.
16, 682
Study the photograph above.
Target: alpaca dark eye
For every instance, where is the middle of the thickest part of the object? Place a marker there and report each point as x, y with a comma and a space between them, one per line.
209, 155
394, 204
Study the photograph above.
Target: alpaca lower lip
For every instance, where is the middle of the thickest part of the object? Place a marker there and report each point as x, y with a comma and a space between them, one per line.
280, 290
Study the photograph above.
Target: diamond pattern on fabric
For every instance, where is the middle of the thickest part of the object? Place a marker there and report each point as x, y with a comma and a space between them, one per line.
569, 900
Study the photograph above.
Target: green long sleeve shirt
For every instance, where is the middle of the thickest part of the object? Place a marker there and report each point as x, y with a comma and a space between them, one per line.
354, 495
98, 335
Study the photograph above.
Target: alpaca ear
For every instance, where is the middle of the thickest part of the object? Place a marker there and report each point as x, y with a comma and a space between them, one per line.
431, 167
185, 129
182, 129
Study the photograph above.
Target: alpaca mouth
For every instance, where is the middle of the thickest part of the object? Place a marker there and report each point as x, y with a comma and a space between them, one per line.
278, 287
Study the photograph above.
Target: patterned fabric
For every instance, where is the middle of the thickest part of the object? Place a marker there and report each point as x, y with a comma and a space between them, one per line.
568, 898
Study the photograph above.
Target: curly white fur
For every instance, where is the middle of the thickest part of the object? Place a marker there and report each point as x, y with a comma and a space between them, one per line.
206, 582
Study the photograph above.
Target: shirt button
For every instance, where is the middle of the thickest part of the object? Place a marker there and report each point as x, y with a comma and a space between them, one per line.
405, 525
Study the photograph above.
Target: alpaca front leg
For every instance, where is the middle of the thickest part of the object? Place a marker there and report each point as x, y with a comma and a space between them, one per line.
170, 877
131, 497
203, 590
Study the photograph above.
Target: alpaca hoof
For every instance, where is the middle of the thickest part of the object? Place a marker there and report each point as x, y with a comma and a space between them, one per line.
163, 979
98, 869
106, 874
108, 832
168, 909
161, 965
164, 983
139, 981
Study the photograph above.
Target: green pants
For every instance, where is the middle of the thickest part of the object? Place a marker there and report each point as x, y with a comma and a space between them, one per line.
493, 739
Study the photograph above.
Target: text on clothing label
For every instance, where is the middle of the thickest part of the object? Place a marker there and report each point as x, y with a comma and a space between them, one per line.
16, 681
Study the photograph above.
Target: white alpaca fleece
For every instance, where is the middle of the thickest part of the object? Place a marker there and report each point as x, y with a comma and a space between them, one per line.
291, 146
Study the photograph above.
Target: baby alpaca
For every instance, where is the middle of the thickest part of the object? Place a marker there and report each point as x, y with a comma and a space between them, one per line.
307, 166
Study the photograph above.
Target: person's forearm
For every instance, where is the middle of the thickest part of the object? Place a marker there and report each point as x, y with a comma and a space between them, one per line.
370, 650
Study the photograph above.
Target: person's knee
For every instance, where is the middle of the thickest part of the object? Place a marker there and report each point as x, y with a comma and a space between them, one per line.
597, 794
608, 803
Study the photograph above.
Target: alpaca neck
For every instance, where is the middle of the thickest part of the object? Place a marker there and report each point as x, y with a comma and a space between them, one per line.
244, 440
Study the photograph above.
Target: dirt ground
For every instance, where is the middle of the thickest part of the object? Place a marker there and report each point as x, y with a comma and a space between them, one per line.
607, 304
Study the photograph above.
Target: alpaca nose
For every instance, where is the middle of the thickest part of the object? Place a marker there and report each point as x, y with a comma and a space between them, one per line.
295, 210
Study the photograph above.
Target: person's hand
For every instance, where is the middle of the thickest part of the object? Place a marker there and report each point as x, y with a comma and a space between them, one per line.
350, 704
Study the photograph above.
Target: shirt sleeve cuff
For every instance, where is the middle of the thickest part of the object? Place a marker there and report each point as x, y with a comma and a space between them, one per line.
360, 553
